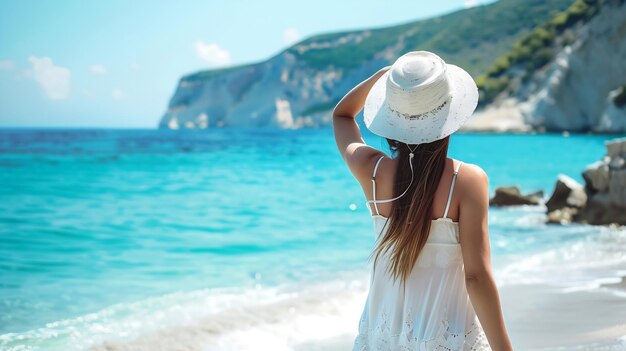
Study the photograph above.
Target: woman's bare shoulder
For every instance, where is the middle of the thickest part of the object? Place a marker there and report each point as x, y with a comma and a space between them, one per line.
472, 171
473, 198
472, 179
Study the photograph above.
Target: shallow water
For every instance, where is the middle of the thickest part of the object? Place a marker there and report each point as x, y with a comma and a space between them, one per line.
109, 234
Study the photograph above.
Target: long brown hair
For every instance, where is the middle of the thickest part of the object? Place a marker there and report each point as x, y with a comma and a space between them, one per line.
409, 221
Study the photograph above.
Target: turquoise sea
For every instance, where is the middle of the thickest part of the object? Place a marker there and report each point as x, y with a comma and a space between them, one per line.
235, 237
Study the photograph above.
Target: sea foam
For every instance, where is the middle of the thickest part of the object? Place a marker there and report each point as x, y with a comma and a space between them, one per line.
279, 318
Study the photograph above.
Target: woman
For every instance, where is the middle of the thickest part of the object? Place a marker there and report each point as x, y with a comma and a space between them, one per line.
431, 286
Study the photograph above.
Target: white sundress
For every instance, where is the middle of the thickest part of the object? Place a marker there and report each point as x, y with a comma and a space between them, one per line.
432, 311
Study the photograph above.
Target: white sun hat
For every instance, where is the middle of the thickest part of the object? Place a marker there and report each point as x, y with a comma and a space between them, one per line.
420, 99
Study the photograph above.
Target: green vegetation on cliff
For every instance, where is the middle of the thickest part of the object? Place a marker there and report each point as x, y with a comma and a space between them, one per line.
534, 50
470, 38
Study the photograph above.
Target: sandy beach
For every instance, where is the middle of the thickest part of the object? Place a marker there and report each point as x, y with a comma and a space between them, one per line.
546, 318
325, 317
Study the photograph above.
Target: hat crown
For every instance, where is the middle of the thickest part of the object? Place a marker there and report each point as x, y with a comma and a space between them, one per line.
417, 83
415, 69
420, 99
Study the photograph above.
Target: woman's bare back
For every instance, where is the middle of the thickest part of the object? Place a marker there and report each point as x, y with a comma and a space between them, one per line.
385, 180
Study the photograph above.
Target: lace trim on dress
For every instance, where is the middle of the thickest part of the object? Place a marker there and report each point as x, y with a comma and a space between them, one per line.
473, 339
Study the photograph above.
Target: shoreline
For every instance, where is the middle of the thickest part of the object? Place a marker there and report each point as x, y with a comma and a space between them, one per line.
556, 321
563, 297
324, 316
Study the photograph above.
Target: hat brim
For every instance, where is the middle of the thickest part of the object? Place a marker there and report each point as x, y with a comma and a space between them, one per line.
438, 124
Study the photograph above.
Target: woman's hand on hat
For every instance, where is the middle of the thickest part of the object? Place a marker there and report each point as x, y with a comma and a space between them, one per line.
352, 103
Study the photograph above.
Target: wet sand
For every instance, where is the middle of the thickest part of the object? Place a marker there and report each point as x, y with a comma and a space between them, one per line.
538, 317
542, 317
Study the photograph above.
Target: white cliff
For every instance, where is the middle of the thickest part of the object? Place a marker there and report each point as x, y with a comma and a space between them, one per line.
301, 85
576, 90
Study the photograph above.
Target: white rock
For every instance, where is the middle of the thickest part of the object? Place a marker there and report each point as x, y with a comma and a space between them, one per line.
617, 162
613, 118
616, 147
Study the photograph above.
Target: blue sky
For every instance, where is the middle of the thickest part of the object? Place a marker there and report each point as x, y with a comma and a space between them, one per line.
116, 63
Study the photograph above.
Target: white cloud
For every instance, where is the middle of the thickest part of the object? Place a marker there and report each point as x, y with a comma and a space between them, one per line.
118, 94
135, 66
291, 35
7, 65
470, 3
54, 80
212, 53
97, 69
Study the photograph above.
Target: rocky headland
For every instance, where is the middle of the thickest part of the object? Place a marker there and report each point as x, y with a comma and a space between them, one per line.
540, 65
561, 77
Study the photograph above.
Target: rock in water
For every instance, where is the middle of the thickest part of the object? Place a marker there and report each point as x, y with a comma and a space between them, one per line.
563, 215
567, 193
601, 210
606, 187
511, 195
596, 176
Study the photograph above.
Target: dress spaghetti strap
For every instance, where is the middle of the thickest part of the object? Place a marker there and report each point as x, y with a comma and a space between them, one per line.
374, 184
456, 171
376, 202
